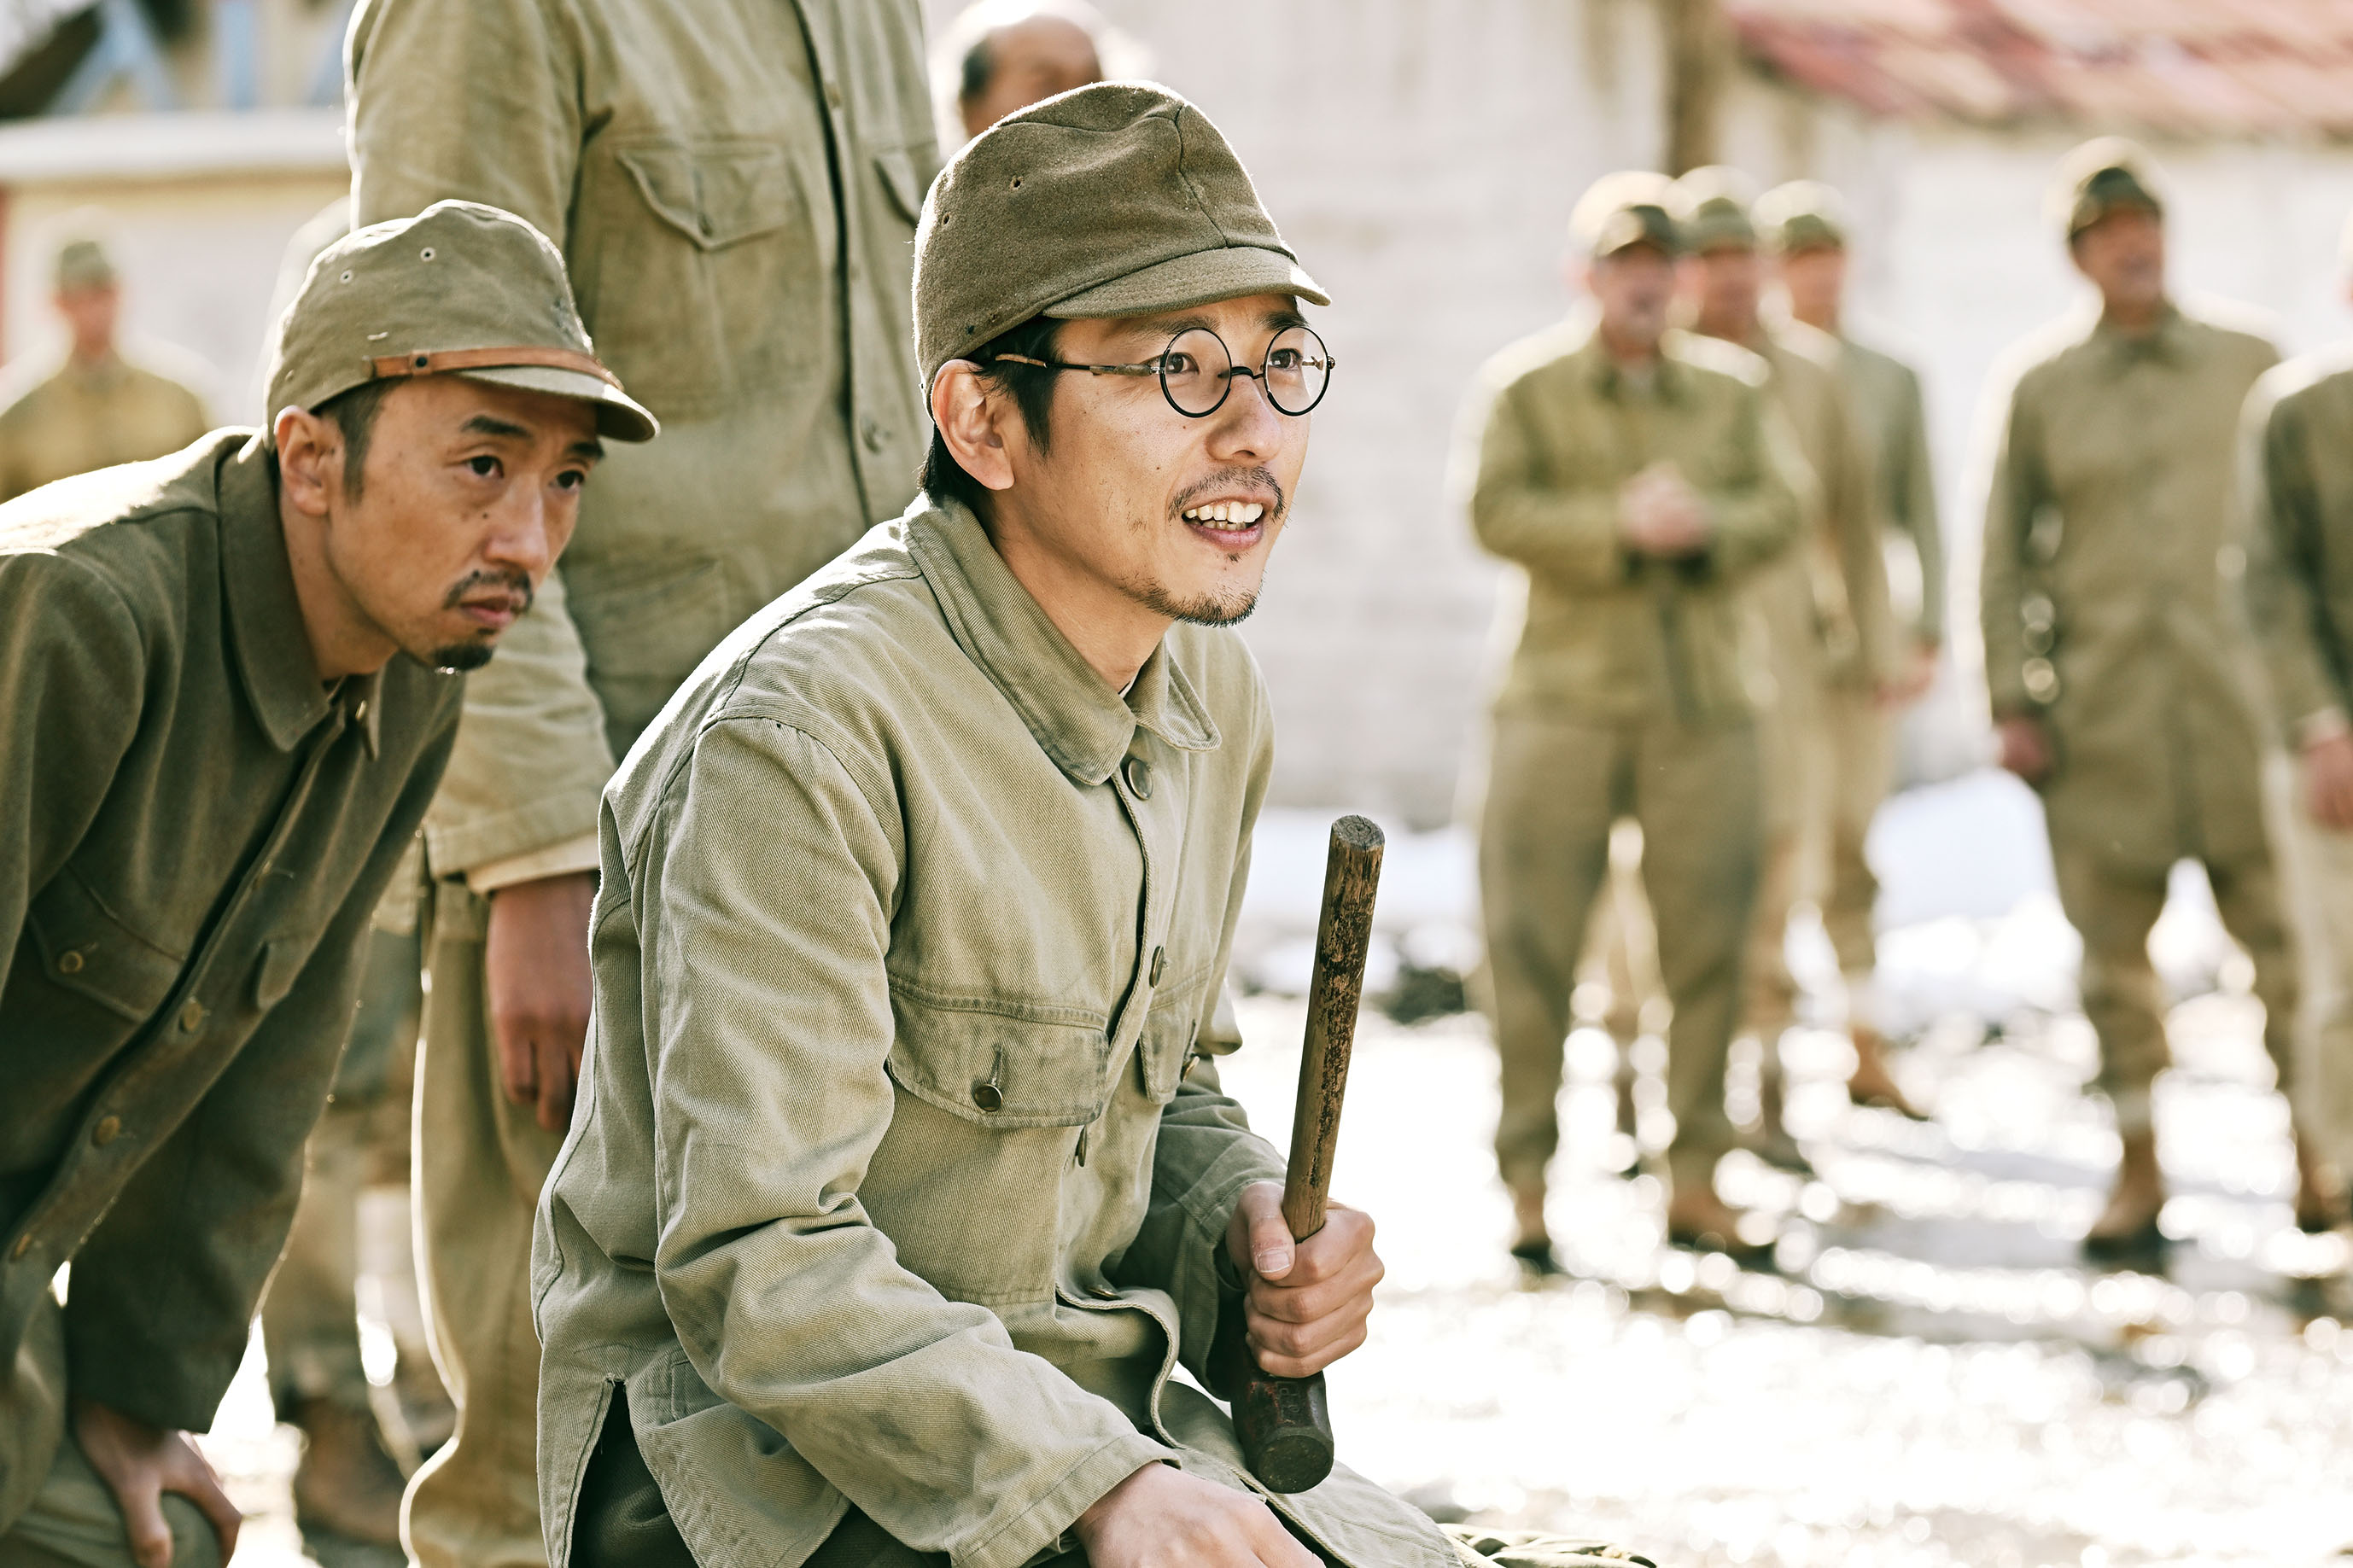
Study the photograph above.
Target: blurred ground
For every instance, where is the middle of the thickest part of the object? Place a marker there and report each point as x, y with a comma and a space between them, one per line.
1929, 1378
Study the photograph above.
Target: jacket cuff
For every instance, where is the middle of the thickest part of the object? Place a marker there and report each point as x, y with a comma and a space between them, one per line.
1045, 1522
483, 839
573, 856
2325, 724
1203, 1275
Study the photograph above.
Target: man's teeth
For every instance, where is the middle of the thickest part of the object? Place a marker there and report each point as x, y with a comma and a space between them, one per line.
1237, 513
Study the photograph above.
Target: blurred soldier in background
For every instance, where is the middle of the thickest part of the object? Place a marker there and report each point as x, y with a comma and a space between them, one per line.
1805, 228
2117, 666
1822, 625
735, 184
98, 408
1003, 55
1630, 474
2298, 473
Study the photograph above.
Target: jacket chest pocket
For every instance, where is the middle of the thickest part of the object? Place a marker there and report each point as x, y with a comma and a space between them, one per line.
86, 951
1005, 1069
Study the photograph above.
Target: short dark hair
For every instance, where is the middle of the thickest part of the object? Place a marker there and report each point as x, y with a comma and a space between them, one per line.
942, 477
980, 65
354, 414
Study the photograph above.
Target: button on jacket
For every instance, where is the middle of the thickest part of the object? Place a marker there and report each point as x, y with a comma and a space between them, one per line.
2110, 586
734, 184
192, 834
1550, 434
2299, 478
895, 1182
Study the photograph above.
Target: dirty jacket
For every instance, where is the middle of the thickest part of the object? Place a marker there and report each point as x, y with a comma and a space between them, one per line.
1551, 432
1883, 395
2297, 471
193, 833
93, 416
896, 1181
2109, 593
734, 185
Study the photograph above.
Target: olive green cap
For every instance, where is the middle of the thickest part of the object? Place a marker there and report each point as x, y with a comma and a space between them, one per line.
2100, 176
460, 289
1117, 199
1803, 214
83, 263
1624, 210
1710, 205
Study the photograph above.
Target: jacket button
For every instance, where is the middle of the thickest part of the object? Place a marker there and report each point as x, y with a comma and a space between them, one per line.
989, 1096
69, 963
191, 1017
1103, 1292
103, 1133
1139, 777
1159, 963
24, 1245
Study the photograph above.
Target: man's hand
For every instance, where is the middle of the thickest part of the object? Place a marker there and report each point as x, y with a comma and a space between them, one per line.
1918, 674
1660, 514
1308, 1300
536, 960
139, 1464
2328, 780
2025, 747
1162, 1518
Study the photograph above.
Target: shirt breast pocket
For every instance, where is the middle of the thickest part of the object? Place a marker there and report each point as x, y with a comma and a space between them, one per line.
89, 953
1000, 1066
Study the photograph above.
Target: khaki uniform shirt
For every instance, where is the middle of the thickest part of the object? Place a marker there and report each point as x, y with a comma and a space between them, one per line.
2109, 542
1822, 607
192, 832
1552, 431
734, 184
895, 1180
2298, 473
90, 417
1883, 394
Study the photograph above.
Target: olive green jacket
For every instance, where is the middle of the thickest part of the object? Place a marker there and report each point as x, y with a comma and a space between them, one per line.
1551, 432
2298, 469
83, 417
192, 834
2109, 602
1884, 394
734, 184
895, 1180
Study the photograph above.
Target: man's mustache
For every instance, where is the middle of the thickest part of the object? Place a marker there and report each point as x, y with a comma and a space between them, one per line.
515, 583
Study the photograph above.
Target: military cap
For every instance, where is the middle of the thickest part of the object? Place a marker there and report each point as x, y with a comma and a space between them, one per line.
2100, 176
1803, 214
1621, 210
1117, 199
83, 263
1711, 207
460, 289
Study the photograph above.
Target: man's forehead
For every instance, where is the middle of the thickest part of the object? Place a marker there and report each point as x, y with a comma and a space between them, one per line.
509, 413
1270, 311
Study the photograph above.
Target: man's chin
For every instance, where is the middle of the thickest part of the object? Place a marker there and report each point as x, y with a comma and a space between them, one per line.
1226, 609
458, 657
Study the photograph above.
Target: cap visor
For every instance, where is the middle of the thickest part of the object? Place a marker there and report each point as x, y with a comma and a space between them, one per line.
619, 416
1232, 272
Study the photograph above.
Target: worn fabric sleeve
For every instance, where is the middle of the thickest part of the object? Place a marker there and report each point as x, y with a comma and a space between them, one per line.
164, 1290
1913, 486
1757, 512
1850, 495
763, 898
1568, 535
480, 100
2013, 498
2286, 605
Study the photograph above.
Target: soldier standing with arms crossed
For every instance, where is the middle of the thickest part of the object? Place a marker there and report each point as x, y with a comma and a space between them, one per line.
2117, 664
1630, 474
735, 184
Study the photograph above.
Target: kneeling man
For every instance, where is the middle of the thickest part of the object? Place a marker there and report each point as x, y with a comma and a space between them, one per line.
899, 1187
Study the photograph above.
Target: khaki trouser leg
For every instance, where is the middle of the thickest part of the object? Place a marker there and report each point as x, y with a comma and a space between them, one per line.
2248, 897
2316, 863
480, 1160
74, 1523
1695, 794
1857, 743
1788, 746
1544, 848
2113, 909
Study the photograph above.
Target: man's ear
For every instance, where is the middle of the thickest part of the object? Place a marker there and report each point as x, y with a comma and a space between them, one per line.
971, 421
310, 460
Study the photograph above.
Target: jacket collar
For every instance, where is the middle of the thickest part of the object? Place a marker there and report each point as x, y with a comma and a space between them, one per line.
1608, 379
2170, 342
1078, 720
273, 652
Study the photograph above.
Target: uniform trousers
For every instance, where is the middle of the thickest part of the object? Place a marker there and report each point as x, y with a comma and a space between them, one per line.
480, 1160
1555, 787
2316, 869
2113, 906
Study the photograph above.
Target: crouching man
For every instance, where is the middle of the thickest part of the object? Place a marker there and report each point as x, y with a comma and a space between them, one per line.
225, 696
899, 1187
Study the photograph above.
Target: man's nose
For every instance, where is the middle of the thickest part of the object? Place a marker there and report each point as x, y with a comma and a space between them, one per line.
1248, 425
523, 535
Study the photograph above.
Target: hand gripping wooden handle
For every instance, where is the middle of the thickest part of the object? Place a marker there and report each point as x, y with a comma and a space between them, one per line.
1285, 1424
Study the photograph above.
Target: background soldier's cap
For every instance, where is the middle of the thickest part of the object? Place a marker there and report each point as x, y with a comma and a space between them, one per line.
460, 289
83, 263
1804, 215
1118, 199
2100, 176
1624, 209
1710, 205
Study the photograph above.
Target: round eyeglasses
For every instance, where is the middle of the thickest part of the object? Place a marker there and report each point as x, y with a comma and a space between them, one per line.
1197, 370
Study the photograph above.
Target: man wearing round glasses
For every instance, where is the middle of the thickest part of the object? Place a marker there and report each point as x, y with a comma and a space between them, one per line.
900, 1183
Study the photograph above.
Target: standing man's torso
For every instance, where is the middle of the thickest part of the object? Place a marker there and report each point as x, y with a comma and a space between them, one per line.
86, 417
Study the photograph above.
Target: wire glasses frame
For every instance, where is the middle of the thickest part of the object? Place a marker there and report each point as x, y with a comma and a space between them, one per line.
1197, 370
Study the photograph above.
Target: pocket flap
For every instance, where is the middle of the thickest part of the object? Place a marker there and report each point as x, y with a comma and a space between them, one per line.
999, 1068
715, 193
283, 958
905, 187
87, 951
